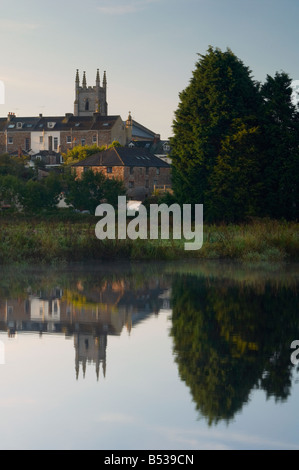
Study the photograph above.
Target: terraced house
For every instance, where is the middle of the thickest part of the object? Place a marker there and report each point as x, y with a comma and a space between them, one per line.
59, 133
89, 124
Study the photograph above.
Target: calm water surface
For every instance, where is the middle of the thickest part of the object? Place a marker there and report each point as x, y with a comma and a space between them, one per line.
149, 356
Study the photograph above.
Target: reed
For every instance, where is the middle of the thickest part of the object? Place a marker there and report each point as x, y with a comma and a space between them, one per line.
54, 239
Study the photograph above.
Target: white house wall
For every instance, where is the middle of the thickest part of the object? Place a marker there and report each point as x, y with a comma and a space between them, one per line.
37, 146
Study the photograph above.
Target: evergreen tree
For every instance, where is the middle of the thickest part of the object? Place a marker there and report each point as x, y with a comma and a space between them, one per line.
280, 140
220, 92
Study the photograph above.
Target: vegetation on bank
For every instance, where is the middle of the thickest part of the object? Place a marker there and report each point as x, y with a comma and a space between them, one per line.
71, 238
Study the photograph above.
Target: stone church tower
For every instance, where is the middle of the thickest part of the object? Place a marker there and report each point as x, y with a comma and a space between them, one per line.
90, 100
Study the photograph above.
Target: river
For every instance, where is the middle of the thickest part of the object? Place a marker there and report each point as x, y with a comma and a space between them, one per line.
180, 356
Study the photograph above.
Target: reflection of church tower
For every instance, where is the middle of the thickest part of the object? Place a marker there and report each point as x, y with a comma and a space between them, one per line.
90, 100
90, 349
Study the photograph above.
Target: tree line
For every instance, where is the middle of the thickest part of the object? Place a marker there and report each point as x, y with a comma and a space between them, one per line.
23, 190
235, 142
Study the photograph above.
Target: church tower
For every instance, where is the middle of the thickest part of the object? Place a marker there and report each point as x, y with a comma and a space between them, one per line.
90, 100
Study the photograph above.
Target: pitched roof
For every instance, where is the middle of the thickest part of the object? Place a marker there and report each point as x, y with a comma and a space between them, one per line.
140, 131
60, 123
123, 156
161, 147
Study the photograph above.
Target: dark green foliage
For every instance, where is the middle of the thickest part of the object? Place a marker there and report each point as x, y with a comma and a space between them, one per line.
88, 192
235, 143
230, 338
15, 166
220, 92
9, 190
280, 131
40, 195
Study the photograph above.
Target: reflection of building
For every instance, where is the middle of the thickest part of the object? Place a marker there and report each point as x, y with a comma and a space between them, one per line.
87, 315
90, 349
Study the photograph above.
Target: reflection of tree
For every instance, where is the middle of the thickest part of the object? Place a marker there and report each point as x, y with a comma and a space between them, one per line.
230, 338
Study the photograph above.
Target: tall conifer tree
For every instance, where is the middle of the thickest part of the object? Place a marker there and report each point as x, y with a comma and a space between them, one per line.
220, 94
280, 152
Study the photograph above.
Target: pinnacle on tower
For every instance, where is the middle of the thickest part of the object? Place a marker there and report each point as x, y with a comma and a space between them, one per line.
77, 77
98, 78
84, 80
104, 80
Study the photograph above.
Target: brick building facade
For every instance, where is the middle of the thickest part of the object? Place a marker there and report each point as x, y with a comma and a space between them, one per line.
60, 133
140, 171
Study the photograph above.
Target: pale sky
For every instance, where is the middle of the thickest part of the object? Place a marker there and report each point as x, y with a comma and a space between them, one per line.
147, 47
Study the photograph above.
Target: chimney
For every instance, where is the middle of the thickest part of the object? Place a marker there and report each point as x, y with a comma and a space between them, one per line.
40, 115
68, 116
10, 116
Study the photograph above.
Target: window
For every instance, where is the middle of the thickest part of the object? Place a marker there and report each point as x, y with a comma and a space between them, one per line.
147, 184
82, 142
140, 170
41, 139
55, 143
69, 139
131, 170
27, 144
109, 169
157, 171
87, 105
10, 140
155, 182
94, 139
146, 170
19, 125
131, 184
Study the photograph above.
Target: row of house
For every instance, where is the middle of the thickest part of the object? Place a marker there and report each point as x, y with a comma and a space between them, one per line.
60, 133
142, 162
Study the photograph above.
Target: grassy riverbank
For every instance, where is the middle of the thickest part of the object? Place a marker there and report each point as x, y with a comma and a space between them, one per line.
54, 240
